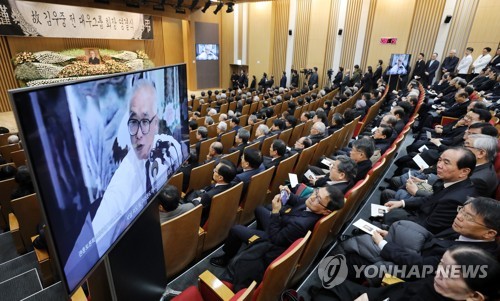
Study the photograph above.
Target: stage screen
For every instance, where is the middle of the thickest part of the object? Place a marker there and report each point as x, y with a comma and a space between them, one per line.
100, 150
207, 52
399, 64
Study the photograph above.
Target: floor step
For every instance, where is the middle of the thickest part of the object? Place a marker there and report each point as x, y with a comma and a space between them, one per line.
18, 266
54, 292
7, 248
20, 286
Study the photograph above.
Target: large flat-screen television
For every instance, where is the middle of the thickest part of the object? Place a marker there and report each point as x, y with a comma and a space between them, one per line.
100, 150
207, 52
398, 64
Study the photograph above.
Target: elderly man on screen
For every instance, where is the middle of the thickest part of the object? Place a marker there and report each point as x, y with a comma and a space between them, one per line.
141, 173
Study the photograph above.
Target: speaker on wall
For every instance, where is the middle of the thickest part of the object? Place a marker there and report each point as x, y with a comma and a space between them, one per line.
340, 31
289, 32
447, 19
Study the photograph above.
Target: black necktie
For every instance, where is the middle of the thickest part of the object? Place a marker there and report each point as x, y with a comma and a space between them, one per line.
438, 186
148, 181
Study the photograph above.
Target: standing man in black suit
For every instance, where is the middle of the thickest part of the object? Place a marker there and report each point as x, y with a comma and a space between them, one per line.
378, 71
450, 62
437, 212
338, 78
313, 79
419, 70
282, 226
430, 70
223, 174
283, 80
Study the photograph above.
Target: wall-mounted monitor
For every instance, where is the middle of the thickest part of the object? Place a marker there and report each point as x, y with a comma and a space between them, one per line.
100, 150
398, 64
207, 52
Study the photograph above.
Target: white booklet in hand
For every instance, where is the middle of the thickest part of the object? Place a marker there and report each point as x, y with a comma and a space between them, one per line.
422, 148
310, 175
326, 162
366, 226
379, 210
420, 162
294, 180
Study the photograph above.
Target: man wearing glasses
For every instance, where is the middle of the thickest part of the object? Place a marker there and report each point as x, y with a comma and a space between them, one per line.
283, 224
151, 159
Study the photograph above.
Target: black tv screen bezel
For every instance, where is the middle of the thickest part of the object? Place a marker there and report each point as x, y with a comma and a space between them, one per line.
33, 171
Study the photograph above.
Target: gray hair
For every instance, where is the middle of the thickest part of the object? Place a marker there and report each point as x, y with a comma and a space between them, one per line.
486, 143
253, 118
244, 134
347, 166
264, 129
209, 120
320, 127
222, 126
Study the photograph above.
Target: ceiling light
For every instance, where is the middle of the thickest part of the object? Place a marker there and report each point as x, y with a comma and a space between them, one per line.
229, 7
219, 7
193, 4
207, 5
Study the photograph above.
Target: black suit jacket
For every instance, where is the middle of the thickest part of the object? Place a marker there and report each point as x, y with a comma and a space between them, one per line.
419, 68
246, 176
457, 110
240, 147
363, 168
437, 211
485, 180
377, 74
432, 70
206, 199
269, 162
450, 63
338, 78
343, 186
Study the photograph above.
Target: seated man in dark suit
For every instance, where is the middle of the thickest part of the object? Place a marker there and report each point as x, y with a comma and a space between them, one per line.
251, 164
301, 144
382, 138
407, 244
235, 124
277, 152
317, 133
214, 152
223, 174
484, 177
336, 123
168, 199
201, 135
241, 141
283, 226
436, 212
342, 173
361, 152
277, 127
261, 134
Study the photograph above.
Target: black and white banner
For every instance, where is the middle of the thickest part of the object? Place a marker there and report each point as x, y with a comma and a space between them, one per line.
24, 18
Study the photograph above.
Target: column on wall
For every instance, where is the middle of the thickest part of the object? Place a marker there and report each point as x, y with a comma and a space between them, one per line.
6, 74
301, 36
350, 33
461, 24
424, 28
331, 39
369, 26
281, 12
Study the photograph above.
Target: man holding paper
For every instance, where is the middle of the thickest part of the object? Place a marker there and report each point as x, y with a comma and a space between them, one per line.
436, 212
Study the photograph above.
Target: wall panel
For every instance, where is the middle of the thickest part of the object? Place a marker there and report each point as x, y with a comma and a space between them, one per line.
281, 12
6, 74
485, 30
424, 28
330, 39
172, 50
318, 32
350, 33
227, 47
259, 39
392, 19
369, 26
461, 24
301, 36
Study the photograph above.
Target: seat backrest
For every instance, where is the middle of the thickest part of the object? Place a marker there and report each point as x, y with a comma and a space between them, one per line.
255, 195
212, 130
227, 141
224, 108
254, 107
28, 214
204, 146
307, 128
6, 188
320, 150
201, 176
5, 137
333, 145
176, 180
269, 121
243, 120
376, 171
279, 272
313, 246
304, 159
245, 110
245, 294
284, 168
285, 135
296, 134
180, 240
253, 145
192, 137
222, 216
266, 144
7, 149
233, 157
232, 106
356, 196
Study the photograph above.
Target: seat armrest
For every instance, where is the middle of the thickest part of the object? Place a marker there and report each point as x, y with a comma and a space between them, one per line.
13, 222
253, 238
213, 284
